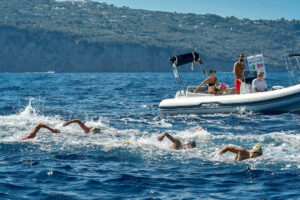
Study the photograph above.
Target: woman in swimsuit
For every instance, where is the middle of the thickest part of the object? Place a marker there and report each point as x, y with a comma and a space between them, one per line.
212, 82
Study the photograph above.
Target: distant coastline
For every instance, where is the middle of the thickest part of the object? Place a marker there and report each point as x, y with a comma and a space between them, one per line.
96, 37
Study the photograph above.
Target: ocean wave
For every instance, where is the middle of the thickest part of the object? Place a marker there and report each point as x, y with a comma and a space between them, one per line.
279, 147
71, 163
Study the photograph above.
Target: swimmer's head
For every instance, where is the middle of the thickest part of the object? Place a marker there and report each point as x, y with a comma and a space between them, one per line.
256, 151
96, 130
190, 143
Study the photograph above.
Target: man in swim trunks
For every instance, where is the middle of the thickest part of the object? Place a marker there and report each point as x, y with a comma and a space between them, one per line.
80, 123
243, 154
177, 144
238, 69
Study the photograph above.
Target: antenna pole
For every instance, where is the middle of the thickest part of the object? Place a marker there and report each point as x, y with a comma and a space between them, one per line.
178, 79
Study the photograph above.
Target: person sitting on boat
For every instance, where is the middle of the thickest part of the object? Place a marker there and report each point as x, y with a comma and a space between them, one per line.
81, 124
177, 144
259, 84
238, 69
212, 82
243, 154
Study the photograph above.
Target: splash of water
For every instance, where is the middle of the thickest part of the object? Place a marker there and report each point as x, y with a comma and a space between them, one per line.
279, 147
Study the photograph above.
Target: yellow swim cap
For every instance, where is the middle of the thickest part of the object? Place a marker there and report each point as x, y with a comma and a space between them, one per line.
96, 129
257, 149
127, 142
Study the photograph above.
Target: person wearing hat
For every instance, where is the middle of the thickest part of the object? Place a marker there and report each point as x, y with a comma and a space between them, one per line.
212, 82
259, 84
243, 154
177, 144
80, 123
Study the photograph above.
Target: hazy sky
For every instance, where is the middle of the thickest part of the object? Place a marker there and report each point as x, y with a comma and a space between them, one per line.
252, 9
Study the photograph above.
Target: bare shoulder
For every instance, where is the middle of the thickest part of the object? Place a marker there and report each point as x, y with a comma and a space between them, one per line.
236, 149
240, 149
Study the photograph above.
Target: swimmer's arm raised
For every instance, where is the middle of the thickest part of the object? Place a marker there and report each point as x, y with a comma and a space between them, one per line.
232, 149
53, 130
80, 123
171, 138
71, 121
38, 127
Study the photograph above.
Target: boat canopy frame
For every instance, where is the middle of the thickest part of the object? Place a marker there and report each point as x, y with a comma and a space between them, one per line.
292, 66
182, 60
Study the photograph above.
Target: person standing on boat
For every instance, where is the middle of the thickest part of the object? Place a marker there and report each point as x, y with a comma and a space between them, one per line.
259, 84
243, 154
212, 82
238, 69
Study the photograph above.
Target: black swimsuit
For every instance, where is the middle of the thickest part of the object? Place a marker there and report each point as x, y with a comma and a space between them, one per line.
212, 84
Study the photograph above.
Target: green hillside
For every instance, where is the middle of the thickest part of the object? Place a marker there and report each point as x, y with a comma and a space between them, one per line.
216, 38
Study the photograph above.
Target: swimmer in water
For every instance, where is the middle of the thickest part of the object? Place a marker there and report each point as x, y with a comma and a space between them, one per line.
37, 128
177, 144
83, 126
80, 123
243, 154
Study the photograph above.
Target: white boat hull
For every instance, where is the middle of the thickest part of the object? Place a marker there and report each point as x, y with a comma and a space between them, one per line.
283, 100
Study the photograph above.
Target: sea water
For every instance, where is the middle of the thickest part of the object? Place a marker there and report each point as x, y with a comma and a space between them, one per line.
75, 165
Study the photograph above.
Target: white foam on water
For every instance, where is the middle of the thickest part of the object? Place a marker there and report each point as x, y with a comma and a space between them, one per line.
161, 122
243, 111
278, 147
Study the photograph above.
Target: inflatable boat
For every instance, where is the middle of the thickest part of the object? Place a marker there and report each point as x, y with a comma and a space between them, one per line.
278, 99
